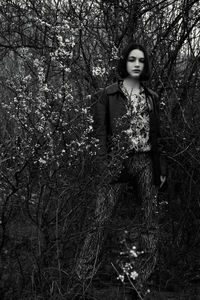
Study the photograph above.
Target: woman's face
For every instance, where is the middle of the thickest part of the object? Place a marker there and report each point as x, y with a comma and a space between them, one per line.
135, 63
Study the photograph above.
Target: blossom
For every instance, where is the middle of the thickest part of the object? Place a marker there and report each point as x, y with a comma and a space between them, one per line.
98, 71
134, 275
114, 52
42, 161
121, 277
133, 253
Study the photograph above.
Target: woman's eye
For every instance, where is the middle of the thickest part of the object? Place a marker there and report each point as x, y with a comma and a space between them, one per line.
141, 60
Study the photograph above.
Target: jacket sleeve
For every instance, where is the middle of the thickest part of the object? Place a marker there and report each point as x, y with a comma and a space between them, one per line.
100, 116
160, 139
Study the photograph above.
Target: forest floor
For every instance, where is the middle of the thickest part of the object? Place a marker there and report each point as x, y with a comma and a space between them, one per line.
177, 273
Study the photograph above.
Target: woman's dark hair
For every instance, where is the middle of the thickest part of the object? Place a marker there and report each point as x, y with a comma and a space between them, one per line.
122, 70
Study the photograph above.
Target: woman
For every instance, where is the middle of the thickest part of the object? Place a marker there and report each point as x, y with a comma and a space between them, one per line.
126, 124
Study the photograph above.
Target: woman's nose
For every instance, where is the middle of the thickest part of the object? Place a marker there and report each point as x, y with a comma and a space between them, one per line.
137, 62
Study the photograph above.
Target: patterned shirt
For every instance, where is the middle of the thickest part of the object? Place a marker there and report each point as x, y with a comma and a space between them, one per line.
137, 110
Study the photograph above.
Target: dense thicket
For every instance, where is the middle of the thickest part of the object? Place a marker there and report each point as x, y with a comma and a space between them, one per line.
53, 55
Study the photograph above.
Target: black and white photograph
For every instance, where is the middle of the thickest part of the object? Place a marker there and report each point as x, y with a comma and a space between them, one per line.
99, 150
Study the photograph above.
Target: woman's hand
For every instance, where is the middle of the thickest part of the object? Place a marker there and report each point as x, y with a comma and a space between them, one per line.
162, 180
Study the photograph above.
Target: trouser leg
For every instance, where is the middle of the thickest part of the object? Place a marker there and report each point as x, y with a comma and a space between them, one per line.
145, 228
88, 259
148, 194
149, 233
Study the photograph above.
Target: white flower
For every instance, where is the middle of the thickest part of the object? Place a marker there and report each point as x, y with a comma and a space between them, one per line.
84, 110
133, 253
134, 275
129, 131
98, 71
121, 277
114, 53
42, 161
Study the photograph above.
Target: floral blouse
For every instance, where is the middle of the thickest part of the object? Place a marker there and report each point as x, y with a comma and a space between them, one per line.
137, 111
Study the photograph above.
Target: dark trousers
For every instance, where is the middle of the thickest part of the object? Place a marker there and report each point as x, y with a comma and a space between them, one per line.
145, 225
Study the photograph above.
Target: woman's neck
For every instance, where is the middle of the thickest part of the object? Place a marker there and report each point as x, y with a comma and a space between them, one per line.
131, 84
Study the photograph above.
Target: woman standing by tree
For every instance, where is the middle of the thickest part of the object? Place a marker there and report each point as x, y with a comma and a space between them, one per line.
126, 124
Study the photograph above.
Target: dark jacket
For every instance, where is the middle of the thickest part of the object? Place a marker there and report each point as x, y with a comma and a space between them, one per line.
109, 104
